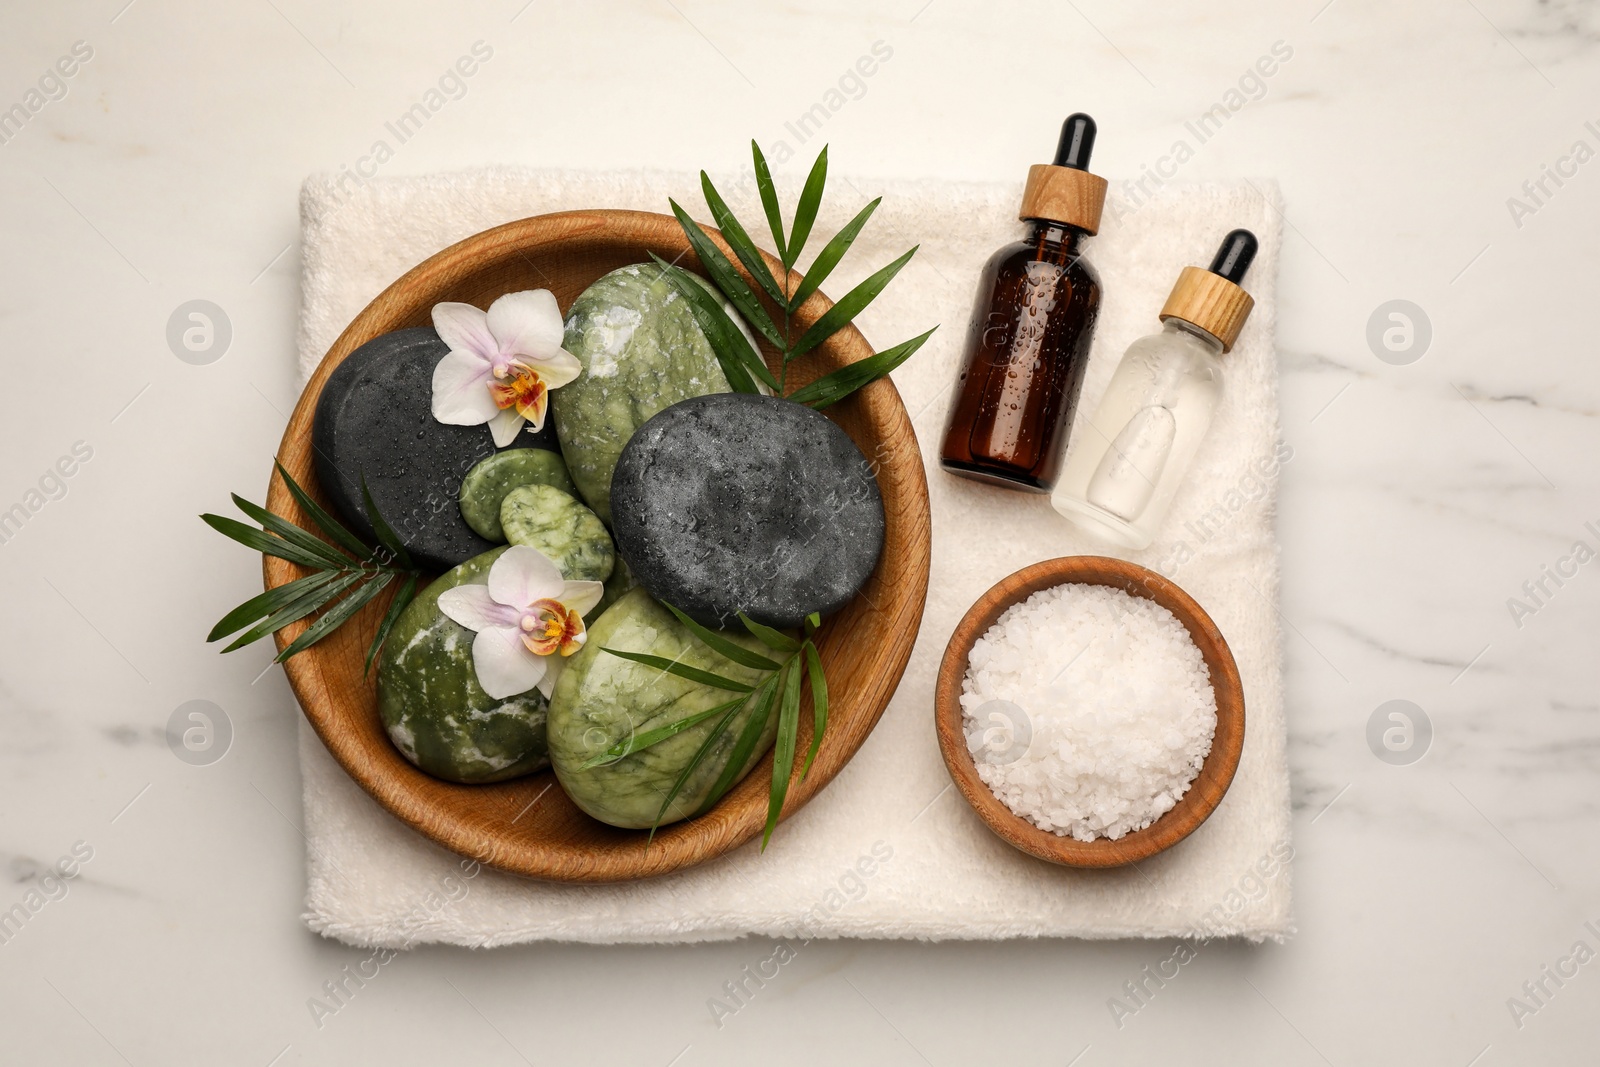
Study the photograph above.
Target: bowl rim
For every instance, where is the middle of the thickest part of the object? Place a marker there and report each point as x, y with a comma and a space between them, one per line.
1205, 791
401, 789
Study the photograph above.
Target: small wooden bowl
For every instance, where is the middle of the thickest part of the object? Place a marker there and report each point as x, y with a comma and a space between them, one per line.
1205, 792
528, 825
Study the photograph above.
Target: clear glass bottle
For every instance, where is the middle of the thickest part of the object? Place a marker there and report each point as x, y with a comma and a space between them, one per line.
1129, 458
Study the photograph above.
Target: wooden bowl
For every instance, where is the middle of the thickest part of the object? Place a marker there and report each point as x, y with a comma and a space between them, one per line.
1205, 792
528, 825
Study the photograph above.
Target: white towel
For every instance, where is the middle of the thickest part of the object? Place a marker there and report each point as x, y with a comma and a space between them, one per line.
889, 849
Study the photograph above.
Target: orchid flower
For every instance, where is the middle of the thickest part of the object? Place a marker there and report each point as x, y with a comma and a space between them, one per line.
528, 619
502, 363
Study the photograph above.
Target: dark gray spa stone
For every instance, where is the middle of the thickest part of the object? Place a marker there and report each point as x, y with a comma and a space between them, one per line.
736, 502
375, 419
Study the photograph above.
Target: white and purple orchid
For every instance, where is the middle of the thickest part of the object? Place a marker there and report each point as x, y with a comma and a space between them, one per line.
502, 363
528, 619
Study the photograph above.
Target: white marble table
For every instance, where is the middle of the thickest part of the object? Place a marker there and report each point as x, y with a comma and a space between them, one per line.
1423, 494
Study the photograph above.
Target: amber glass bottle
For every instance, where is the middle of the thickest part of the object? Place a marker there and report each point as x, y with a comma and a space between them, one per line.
1029, 342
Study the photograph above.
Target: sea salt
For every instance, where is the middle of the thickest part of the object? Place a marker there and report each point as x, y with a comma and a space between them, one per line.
1088, 711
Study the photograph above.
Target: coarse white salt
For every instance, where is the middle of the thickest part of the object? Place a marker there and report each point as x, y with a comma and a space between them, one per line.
1088, 711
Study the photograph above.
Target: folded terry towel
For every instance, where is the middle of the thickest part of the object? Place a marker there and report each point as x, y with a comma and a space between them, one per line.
889, 849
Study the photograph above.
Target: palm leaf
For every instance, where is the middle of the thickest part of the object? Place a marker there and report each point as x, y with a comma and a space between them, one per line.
727, 278
265, 604
358, 580
733, 232
390, 617
308, 602
335, 616
293, 534
699, 757
819, 704
848, 307
783, 751
776, 640
728, 344
324, 521
263, 542
746, 742
639, 742
834, 387
831, 254
769, 201
682, 670
805, 212
724, 647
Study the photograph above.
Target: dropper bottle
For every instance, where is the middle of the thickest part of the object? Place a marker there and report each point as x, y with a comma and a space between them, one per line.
1029, 342
1129, 458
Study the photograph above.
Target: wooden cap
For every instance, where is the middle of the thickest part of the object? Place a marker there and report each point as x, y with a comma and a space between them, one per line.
1064, 194
1210, 302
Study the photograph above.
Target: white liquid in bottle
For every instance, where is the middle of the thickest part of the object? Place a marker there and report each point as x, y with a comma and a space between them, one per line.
1128, 459
1130, 456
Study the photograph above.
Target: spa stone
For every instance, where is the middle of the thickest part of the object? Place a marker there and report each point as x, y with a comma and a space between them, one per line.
487, 484
375, 419
601, 700
553, 522
432, 706
641, 351
737, 502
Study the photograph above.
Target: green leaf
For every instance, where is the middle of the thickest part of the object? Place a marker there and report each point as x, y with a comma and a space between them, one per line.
682, 670
390, 617
336, 616
848, 307
746, 742
386, 536
338, 573
293, 534
727, 341
724, 647
299, 608
819, 704
728, 344
769, 201
783, 751
813, 622
773, 639
264, 604
261, 541
805, 212
832, 388
324, 521
699, 757
726, 277
733, 232
831, 254
639, 742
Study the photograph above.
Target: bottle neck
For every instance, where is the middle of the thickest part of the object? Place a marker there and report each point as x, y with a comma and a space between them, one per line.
1055, 241
1183, 326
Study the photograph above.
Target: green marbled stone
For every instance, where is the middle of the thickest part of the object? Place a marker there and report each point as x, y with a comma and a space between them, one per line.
430, 701
545, 518
487, 484
641, 352
601, 698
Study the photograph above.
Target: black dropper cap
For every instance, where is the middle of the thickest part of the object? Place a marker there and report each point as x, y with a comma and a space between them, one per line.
1234, 256
1077, 142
